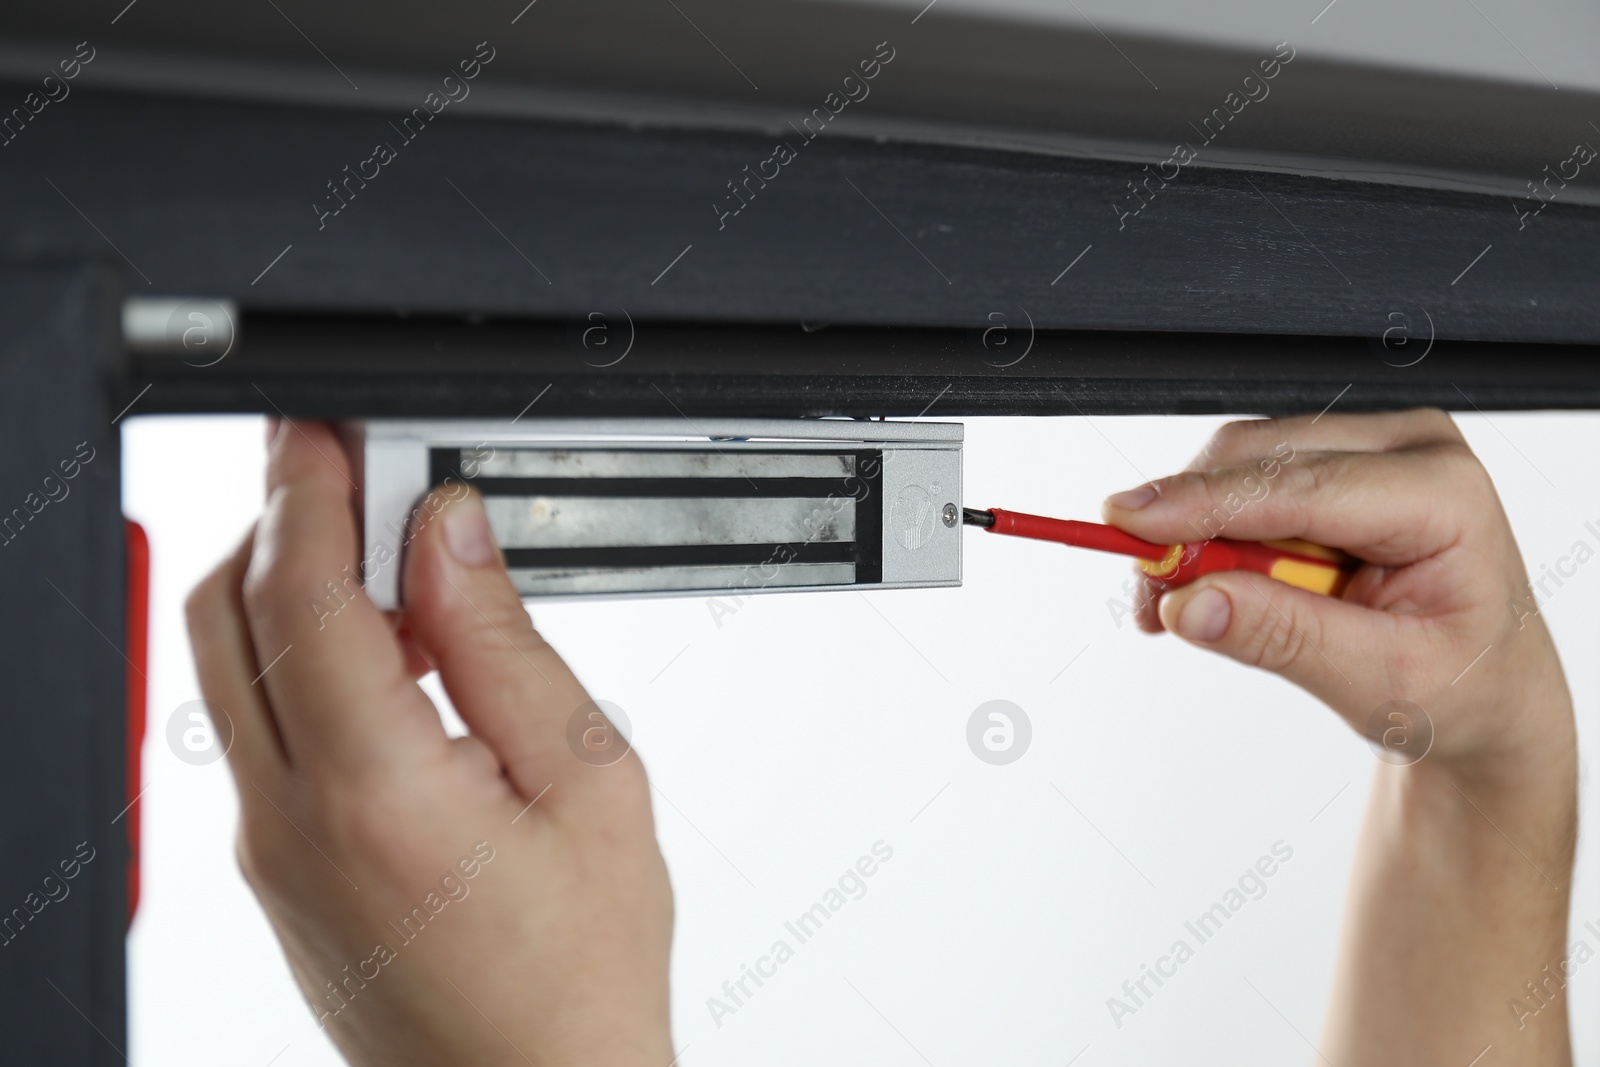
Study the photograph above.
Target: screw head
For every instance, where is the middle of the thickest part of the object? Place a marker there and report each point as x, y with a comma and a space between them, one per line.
950, 515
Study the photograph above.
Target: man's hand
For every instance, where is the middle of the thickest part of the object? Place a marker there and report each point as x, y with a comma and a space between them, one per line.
492, 899
1443, 581
1461, 886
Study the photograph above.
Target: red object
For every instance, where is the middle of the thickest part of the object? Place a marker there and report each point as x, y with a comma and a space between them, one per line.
1077, 534
1297, 563
138, 634
1187, 562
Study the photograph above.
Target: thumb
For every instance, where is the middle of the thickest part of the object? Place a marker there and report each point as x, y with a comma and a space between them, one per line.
1320, 643
509, 686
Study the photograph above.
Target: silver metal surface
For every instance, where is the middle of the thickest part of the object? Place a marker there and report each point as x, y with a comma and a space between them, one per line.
562, 581
200, 329
703, 463
917, 483
719, 435
579, 521
913, 472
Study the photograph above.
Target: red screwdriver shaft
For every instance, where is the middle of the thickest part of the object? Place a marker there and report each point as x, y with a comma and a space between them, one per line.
1293, 562
1078, 534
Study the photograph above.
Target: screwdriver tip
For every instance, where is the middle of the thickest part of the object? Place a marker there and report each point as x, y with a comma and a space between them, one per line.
974, 517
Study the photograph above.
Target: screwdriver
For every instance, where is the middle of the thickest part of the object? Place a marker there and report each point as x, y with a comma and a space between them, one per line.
1293, 562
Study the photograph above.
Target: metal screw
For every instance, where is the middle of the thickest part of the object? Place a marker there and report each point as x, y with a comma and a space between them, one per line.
950, 515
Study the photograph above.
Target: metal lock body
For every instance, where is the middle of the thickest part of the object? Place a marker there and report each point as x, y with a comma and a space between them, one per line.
631, 507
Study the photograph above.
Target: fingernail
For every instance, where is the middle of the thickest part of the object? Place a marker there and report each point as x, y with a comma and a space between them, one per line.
274, 424
466, 532
1132, 499
1205, 618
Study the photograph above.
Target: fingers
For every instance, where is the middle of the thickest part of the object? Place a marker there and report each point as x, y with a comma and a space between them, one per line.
1147, 603
416, 661
1326, 646
1248, 440
226, 663
334, 673
509, 686
1388, 508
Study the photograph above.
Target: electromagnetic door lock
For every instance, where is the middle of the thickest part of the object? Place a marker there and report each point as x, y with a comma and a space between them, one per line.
629, 507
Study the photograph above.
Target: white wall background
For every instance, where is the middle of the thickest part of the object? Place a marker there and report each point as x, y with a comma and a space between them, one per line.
808, 726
